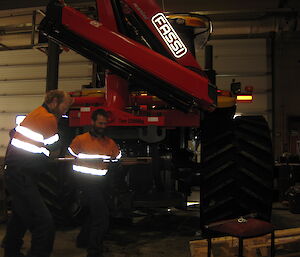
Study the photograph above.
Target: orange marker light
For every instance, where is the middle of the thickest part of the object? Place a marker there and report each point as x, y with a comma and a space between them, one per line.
244, 98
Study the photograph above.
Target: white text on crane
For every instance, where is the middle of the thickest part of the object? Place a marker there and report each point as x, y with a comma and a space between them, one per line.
169, 35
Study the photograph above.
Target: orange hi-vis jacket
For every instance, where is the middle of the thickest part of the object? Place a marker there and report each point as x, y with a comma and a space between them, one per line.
37, 131
93, 154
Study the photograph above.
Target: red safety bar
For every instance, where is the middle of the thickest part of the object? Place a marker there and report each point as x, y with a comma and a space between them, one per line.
139, 55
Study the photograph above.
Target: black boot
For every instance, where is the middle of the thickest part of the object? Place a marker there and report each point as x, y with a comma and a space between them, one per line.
94, 255
10, 254
81, 242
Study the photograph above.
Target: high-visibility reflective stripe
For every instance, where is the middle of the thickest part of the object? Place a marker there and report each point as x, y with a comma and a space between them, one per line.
115, 159
119, 156
71, 152
36, 136
105, 158
91, 171
93, 156
88, 156
30, 134
51, 140
29, 147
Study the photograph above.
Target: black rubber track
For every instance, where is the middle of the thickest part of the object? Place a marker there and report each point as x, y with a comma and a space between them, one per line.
237, 174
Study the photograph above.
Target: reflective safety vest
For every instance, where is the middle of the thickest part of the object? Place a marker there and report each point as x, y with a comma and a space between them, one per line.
37, 131
93, 154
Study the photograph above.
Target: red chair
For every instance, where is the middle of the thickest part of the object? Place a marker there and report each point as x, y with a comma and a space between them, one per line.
242, 228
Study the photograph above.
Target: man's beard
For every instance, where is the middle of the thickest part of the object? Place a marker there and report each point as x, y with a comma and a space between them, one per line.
99, 131
56, 112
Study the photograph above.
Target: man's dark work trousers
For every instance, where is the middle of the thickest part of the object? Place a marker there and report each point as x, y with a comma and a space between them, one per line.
28, 211
96, 224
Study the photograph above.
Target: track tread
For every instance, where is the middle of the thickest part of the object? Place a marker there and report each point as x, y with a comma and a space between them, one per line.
237, 164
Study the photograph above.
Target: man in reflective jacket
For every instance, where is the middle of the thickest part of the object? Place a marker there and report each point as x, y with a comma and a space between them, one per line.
27, 156
94, 153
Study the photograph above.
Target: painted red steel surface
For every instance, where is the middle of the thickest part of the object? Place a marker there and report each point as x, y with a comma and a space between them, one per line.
116, 87
106, 14
146, 100
116, 97
133, 100
146, 10
116, 91
119, 118
88, 100
144, 58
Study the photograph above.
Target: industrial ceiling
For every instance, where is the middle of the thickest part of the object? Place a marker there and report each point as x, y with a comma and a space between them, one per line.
178, 5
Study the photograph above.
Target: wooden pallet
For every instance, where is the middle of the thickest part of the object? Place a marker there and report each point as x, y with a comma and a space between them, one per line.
287, 244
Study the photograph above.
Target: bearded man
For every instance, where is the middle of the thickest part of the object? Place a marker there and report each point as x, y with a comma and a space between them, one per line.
94, 153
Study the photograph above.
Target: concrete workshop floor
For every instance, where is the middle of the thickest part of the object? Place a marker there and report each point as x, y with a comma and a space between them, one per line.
164, 234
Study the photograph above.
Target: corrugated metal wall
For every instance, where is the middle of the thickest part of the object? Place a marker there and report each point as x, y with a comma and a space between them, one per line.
246, 61
23, 83
287, 91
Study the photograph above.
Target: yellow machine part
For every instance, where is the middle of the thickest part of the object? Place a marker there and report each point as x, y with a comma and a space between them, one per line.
223, 101
189, 21
226, 101
92, 92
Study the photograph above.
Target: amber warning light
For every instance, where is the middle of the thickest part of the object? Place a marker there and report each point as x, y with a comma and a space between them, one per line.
244, 98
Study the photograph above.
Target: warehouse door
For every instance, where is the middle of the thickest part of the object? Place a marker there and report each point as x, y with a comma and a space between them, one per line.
23, 83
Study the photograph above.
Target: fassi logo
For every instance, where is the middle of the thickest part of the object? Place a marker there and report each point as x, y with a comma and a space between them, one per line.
169, 35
